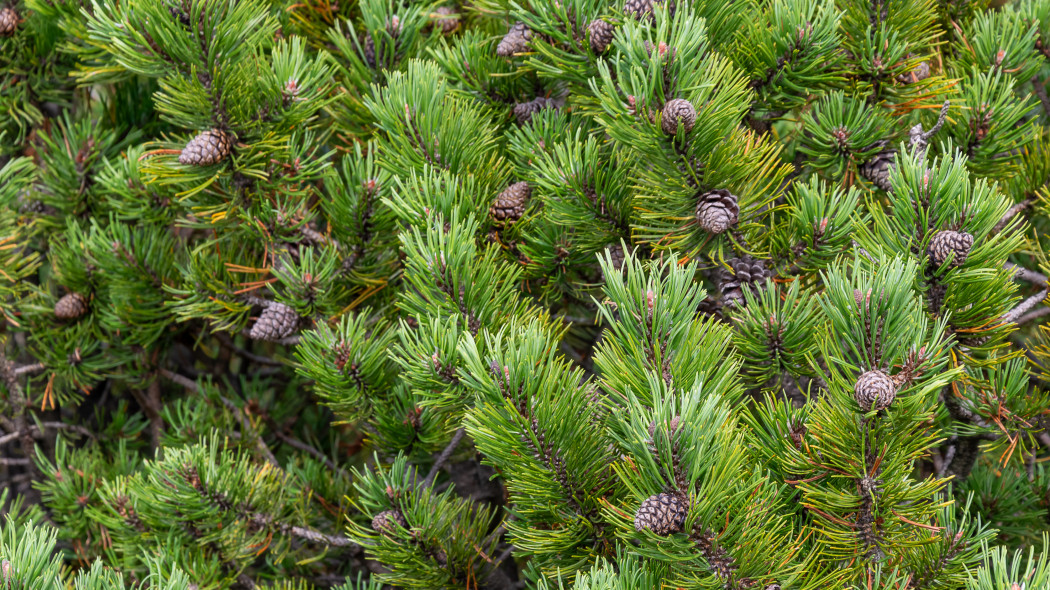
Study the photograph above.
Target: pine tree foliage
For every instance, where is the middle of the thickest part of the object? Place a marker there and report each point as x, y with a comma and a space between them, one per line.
524, 294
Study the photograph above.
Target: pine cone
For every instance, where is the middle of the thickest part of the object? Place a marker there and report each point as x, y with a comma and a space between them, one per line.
371, 49
510, 204
277, 321
877, 169
948, 242
642, 8
385, 521
746, 273
209, 147
515, 41
717, 211
920, 72
874, 390
523, 111
663, 514
71, 307
447, 19
601, 35
675, 111
8, 21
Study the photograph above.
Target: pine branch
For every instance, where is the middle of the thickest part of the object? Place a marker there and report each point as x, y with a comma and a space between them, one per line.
1024, 306
1033, 315
443, 457
1011, 214
305, 533
27, 369
18, 400
1027, 275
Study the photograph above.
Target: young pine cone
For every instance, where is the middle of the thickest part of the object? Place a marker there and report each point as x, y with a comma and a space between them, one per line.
71, 307
277, 321
662, 514
874, 390
523, 111
385, 522
677, 111
446, 19
947, 242
717, 211
877, 169
746, 273
515, 41
209, 147
8, 21
510, 204
601, 35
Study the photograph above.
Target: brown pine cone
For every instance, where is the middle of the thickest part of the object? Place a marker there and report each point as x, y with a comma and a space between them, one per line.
601, 35
276, 322
717, 211
510, 204
877, 169
515, 41
663, 514
523, 111
743, 273
386, 521
947, 243
874, 390
209, 147
71, 307
8, 21
678, 110
446, 19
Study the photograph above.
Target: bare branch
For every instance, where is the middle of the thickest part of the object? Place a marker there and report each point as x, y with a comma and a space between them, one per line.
443, 457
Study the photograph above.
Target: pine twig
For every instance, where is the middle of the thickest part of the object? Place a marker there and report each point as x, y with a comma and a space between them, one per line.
27, 369
1010, 214
1024, 306
302, 446
443, 457
305, 533
1033, 315
1024, 274
18, 400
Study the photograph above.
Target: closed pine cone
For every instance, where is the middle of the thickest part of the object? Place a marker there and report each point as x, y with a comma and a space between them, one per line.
8, 21
662, 514
877, 169
920, 72
277, 321
601, 35
515, 41
71, 307
676, 111
209, 147
717, 211
523, 111
874, 390
385, 522
510, 204
744, 273
447, 19
948, 242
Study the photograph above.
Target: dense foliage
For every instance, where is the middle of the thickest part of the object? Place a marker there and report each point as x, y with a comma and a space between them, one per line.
545, 294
